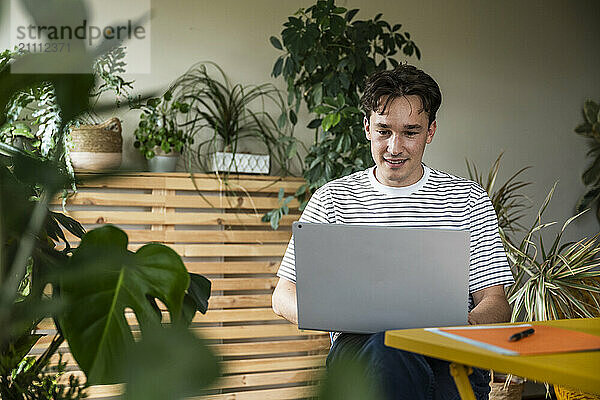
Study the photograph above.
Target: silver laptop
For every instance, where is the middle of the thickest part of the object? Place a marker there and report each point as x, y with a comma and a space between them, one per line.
366, 279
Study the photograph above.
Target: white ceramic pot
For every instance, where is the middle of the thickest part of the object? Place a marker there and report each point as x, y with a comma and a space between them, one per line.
240, 163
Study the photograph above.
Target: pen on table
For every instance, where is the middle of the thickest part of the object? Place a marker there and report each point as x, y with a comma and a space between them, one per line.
521, 335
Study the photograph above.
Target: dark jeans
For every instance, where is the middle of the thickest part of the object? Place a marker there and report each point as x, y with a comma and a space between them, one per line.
401, 374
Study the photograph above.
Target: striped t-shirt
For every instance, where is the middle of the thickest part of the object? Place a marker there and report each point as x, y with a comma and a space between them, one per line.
437, 200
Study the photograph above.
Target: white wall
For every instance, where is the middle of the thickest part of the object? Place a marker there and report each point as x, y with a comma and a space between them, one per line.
514, 75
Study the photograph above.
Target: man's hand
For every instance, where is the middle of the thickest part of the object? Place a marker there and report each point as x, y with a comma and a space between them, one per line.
283, 301
490, 306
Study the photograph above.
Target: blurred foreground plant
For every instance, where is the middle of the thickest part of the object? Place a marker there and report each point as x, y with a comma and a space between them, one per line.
86, 290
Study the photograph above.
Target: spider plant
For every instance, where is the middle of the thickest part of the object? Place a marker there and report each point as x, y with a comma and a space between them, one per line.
236, 113
561, 282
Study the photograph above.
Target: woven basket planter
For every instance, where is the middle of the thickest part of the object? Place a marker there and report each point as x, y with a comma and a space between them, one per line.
500, 390
97, 147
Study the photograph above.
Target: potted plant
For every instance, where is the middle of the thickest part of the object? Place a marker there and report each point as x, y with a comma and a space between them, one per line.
327, 55
231, 115
556, 282
33, 117
159, 136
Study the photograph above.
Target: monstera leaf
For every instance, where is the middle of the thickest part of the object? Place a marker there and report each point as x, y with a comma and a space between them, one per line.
104, 279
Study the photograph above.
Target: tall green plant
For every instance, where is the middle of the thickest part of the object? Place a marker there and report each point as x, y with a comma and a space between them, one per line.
327, 55
590, 129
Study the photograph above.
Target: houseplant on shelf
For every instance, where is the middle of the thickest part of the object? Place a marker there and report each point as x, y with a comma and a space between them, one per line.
33, 118
159, 136
327, 55
590, 128
97, 145
562, 281
229, 116
91, 288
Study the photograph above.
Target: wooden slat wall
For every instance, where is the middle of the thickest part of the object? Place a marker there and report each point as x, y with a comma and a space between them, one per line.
215, 225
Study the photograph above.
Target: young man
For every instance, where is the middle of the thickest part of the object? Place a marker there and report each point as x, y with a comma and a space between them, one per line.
400, 120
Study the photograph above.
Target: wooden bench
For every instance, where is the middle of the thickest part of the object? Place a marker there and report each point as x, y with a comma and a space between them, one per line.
218, 234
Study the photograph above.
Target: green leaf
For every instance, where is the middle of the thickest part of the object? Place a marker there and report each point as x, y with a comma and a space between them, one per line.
350, 14
168, 363
275, 218
282, 120
280, 194
318, 93
199, 291
315, 123
293, 117
276, 43
328, 121
104, 280
277, 67
291, 150
322, 109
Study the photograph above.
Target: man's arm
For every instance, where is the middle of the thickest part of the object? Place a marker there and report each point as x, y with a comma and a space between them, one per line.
283, 301
490, 306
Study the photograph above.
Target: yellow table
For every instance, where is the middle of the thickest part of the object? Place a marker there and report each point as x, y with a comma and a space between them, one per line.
580, 370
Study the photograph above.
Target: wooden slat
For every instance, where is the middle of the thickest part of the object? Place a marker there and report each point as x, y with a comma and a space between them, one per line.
267, 378
201, 236
244, 202
240, 301
244, 283
244, 315
251, 331
215, 250
233, 267
273, 364
185, 183
294, 392
144, 218
301, 392
230, 250
273, 347
94, 392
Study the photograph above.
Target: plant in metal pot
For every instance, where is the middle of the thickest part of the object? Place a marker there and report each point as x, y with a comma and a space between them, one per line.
159, 133
590, 129
86, 290
327, 55
230, 116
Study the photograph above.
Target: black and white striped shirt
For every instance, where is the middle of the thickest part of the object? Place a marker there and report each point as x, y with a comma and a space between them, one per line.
438, 200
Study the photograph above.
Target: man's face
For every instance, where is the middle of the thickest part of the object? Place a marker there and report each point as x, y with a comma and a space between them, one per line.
398, 140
